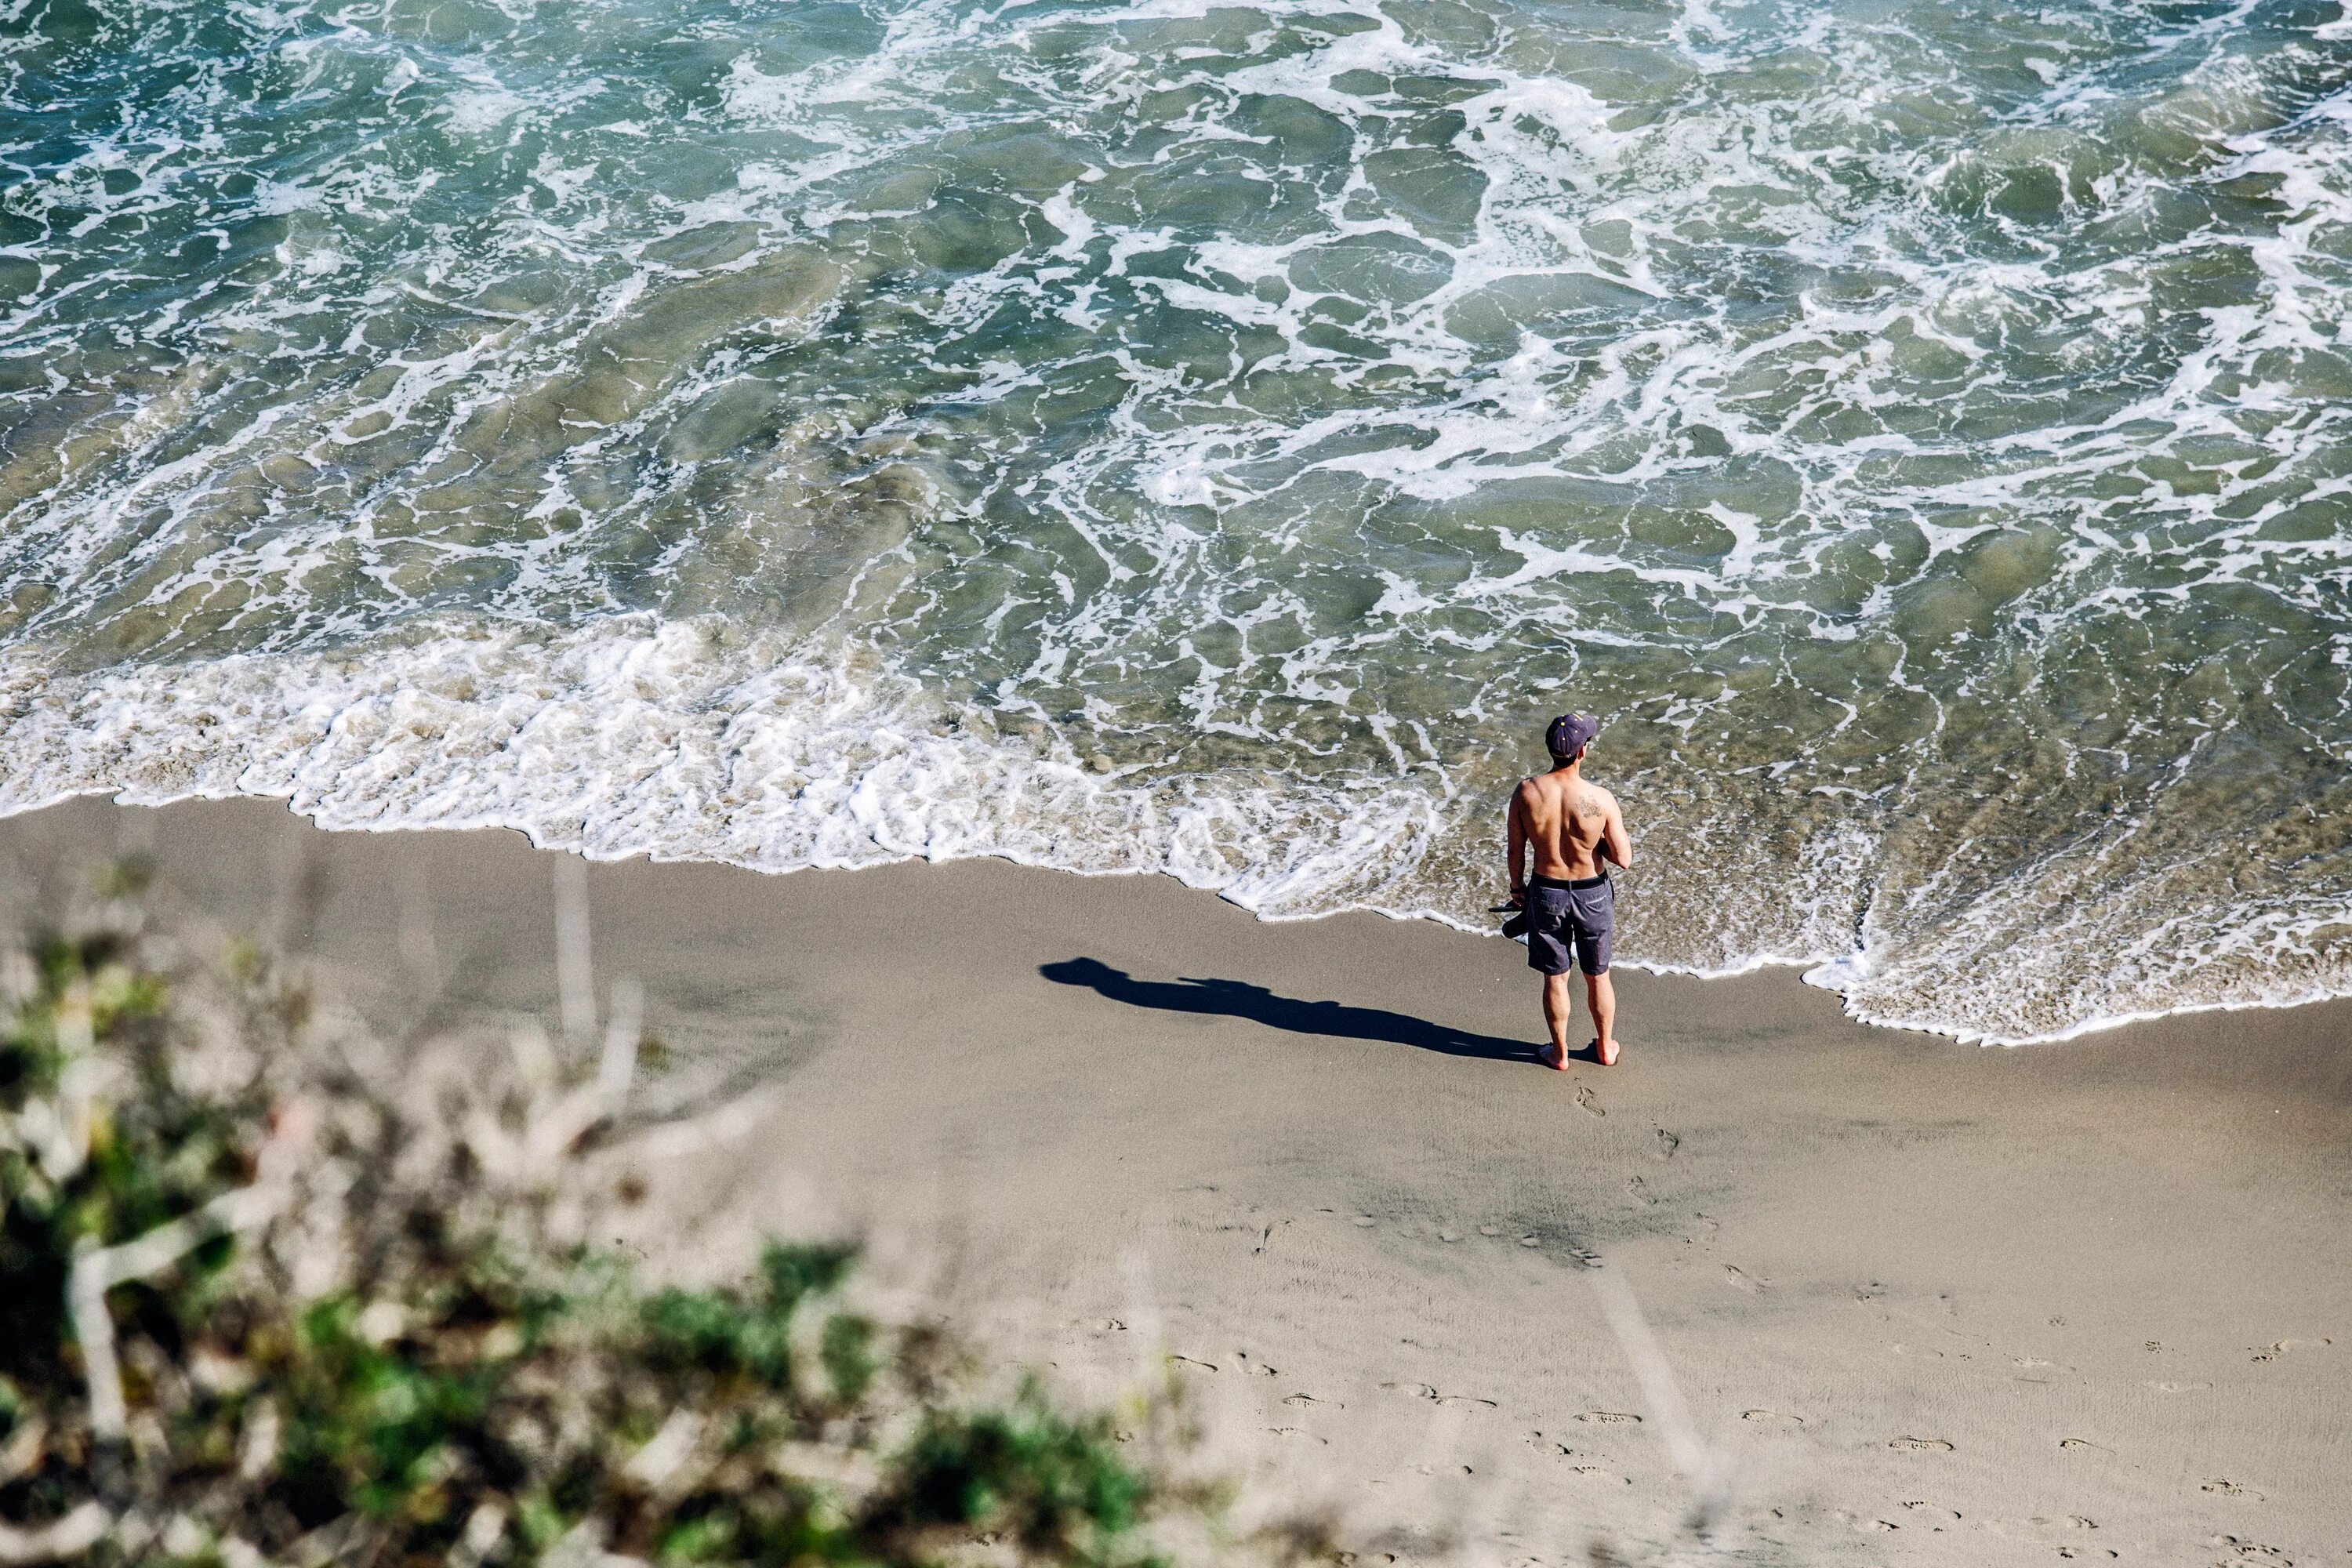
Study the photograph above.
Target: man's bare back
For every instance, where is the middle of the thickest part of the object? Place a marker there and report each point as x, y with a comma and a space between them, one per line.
1572, 824
1575, 831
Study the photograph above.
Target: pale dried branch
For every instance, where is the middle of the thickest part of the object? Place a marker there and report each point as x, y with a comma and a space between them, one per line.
70, 1536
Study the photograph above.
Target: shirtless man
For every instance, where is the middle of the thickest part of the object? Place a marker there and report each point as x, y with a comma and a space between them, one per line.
1576, 830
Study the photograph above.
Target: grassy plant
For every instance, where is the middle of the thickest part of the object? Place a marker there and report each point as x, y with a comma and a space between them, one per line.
272, 1292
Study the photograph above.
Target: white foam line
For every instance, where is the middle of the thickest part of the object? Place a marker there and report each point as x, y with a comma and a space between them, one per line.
631, 739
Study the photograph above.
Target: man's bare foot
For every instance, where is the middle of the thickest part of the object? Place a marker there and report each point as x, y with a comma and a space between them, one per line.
1553, 1056
1605, 1052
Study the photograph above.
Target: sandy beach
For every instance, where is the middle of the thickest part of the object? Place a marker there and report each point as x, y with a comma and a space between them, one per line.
1932, 1303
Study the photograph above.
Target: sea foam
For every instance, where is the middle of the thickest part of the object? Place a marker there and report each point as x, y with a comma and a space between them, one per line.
1211, 440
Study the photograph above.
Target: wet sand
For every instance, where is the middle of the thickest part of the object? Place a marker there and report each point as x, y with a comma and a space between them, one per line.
1933, 1303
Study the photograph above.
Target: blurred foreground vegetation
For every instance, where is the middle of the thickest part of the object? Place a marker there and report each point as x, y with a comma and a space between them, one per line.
272, 1291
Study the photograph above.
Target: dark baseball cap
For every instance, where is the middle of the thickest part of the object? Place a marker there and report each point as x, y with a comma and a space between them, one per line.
1571, 733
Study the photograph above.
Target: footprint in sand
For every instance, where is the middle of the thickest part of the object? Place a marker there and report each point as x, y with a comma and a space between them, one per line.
1609, 1416
1743, 1280
1490, 1230
1920, 1445
2232, 1488
2278, 1348
1587, 1101
1257, 1367
2072, 1521
1295, 1432
1935, 1516
1667, 1143
1640, 1191
2072, 1552
1424, 1391
1599, 1474
1365, 1222
1189, 1364
1772, 1420
2074, 1443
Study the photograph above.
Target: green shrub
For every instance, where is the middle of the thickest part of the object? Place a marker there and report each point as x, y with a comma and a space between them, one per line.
370, 1342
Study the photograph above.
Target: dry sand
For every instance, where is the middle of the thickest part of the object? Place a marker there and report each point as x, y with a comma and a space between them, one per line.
1935, 1303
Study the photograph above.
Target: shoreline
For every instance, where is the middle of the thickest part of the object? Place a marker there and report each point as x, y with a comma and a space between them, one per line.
1758, 964
1936, 1304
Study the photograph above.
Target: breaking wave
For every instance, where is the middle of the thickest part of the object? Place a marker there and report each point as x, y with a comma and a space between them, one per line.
1211, 440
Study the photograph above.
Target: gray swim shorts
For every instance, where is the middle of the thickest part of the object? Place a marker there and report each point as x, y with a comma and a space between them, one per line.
1562, 915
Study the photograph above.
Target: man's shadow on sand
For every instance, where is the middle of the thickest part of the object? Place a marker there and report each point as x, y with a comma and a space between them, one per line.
1236, 999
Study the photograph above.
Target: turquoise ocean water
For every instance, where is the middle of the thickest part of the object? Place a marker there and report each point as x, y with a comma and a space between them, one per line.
1212, 438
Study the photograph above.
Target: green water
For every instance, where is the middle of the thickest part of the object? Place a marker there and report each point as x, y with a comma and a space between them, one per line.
1215, 440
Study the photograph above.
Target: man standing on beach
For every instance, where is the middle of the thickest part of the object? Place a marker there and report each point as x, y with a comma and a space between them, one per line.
1575, 829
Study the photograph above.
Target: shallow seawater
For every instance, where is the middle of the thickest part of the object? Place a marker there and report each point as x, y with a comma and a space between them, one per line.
1214, 438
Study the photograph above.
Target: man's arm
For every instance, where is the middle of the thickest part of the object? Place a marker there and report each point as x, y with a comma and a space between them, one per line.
1515, 836
1615, 841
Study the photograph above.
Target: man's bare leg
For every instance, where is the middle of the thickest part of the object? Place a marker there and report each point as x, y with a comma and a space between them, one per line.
1558, 1007
1602, 996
